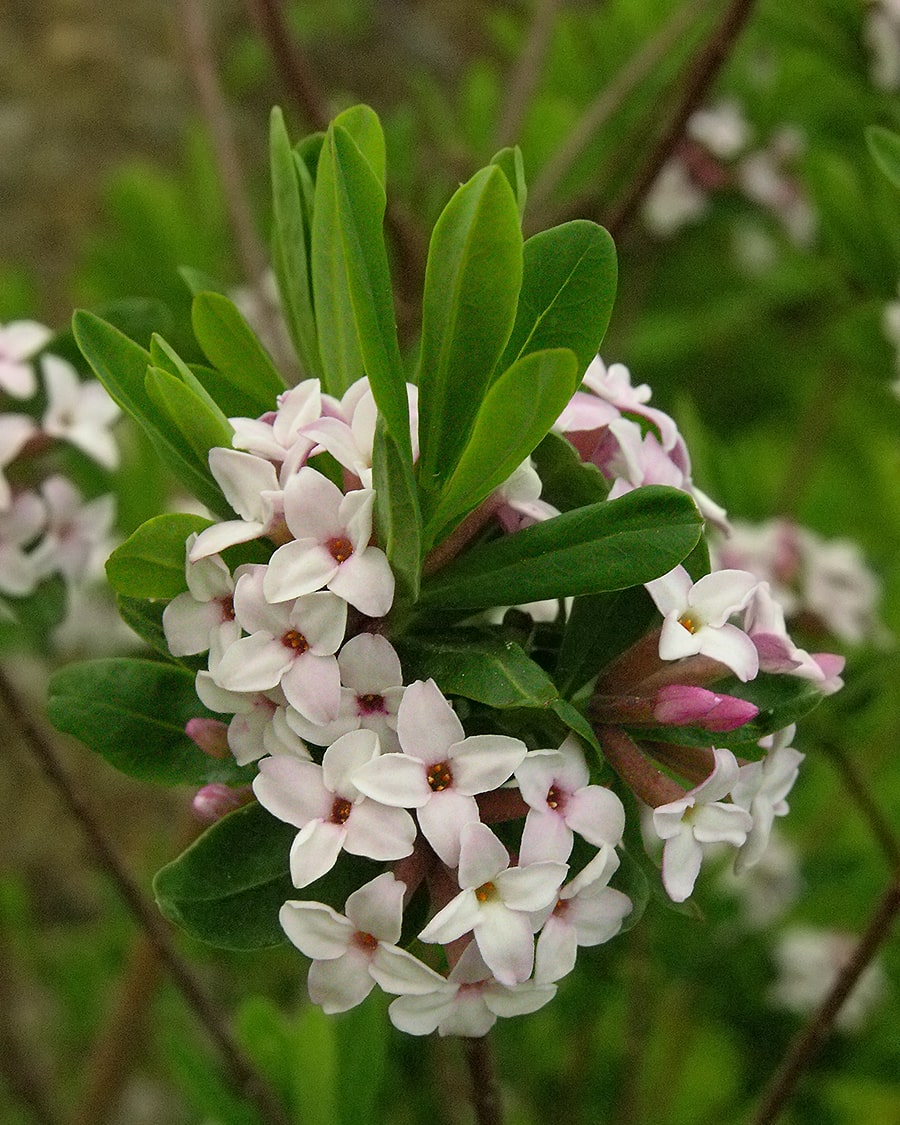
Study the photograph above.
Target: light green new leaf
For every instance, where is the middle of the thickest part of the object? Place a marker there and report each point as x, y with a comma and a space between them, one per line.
568, 288
514, 417
165, 356
150, 563
510, 160
471, 286
605, 546
202, 427
362, 125
884, 145
230, 344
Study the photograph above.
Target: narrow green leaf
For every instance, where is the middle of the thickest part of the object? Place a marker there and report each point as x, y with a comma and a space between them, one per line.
606, 546
165, 356
150, 563
203, 428
884, 145
516, 414
599, 628
233, 402
510, 161
144, 617
567, 481
361, 123
398, 522
133, 713
477, 665
576, 722
228, 887
471, 286
290, 244
230, 344
568, 289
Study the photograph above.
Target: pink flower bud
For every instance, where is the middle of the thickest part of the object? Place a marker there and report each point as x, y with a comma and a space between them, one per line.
214, 801
683, 705
210, 735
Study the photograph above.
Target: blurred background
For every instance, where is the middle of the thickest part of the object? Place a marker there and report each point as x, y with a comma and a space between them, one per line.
759, 258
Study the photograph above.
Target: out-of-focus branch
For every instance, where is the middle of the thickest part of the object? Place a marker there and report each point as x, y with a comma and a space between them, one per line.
878, 824
524, 79
810, 1038
485, 1091
243, 1076
610, 100
699, 76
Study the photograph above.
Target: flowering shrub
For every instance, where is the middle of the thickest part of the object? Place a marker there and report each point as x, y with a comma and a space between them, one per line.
455, 787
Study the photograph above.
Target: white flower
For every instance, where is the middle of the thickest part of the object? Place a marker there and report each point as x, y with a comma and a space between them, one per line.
761, 789
722, 129
696, 819
19, 340
495, 904
15, 430
259, 725
331, 813
79, 412
440, 770
202, 618
20, 525
251, 487
76, 539
276, 436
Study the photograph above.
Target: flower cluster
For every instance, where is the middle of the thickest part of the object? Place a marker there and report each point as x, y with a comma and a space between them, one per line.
46, 526
505, 848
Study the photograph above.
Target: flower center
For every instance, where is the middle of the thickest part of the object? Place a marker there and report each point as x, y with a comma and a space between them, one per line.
365, 941
371, 704
295, 640
486, 892
439, 776
555, 797
687, 622
340, 548
340, 810
226, 607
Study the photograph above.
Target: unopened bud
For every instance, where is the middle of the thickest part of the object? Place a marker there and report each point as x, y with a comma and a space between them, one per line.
214, 801
210, 735
682, 705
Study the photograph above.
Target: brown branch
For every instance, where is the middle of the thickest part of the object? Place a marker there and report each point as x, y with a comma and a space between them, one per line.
244, 1078
524, 80
700, 74
810, 1038
17, 1060
877, 822
485, 1091
610, 100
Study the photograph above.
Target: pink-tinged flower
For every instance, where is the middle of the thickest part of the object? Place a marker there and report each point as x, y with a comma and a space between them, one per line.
276, 436
331, 813
80, 413
259, 725
554, 783
214, 801
680, 705
15, 431
19, 340
696, 819
76, 539
251, 487
761, 789
202, 619
209, 735
696, 617
440, 770
330, 547
764, 622
495, 904
587, 912
291, 644
466, 1003
613, 384
20, 525
372, 687
347, 948
521, 505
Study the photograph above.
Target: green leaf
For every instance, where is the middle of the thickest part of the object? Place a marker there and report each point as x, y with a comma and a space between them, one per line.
144, 617
568, 288
477, 665
359, 204
568, 482
599, 628
361, 124
471, 286
198, 281
165, 357
133, 713
290, 246
201, 427
398, 522
230, 344
884, 145
229, 885
233, 402
150, 563
121, 366
576, 722
516, 414
513, 167
606, 546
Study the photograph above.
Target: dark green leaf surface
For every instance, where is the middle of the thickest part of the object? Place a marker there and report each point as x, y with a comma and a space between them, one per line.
144, 617
884, 146
398, 523
599, 628
151, 563
133, 713
230, 345
605, 546
567, 481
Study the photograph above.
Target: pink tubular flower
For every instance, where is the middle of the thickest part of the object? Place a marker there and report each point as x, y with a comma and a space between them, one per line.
555, 785
259, 724
202, 619
680, 705
696, 617
214, 801
347, 948
331, 547
495, 904
331, 813
440, 770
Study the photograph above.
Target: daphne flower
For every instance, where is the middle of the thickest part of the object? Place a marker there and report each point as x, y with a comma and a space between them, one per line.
258, 726
495, 904
15, 431
20, 524
440, 770
331, 813
331, 547
251, 487
519, 495
76, 539
761, 789
554, 783
699, 818
202, 618
696, 617
80, 413
19, 340
277, 436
